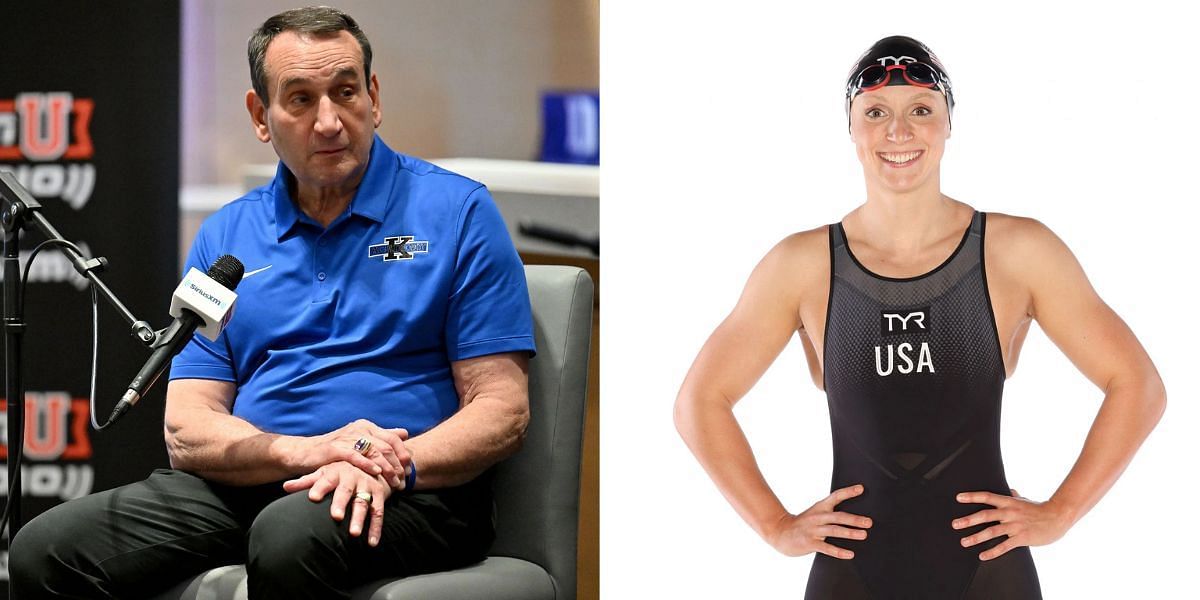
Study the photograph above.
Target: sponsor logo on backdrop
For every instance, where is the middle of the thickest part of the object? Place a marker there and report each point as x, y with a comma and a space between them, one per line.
57, 447
46, 141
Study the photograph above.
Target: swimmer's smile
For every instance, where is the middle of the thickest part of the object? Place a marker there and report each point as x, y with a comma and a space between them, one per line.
898, 160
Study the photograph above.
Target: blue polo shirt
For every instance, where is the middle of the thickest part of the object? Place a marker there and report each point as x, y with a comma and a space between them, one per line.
361, 319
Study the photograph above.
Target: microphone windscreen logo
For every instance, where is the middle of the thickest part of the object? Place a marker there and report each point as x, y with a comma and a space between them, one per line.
209, 296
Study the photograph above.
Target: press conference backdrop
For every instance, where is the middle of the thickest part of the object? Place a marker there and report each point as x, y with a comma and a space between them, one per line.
89, 123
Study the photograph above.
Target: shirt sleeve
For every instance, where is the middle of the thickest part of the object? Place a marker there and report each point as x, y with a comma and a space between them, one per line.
489, 308
202, 358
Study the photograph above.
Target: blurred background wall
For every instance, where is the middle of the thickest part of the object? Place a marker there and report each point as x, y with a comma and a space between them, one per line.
457, 77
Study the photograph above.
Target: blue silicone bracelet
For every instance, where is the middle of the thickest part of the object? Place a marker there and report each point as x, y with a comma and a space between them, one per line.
411, 479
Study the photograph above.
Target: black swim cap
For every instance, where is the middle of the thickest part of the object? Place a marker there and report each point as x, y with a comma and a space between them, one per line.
898, 50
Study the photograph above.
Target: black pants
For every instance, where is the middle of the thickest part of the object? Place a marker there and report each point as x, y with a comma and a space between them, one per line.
140, 539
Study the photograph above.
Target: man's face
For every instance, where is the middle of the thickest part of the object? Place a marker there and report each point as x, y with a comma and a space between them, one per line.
322, 113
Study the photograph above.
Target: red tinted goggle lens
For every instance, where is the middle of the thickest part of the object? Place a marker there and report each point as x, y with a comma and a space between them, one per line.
876, 76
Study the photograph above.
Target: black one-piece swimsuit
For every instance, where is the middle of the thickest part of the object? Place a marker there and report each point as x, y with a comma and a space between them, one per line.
914, 375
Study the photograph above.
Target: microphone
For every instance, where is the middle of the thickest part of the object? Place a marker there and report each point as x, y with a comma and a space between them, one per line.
203, 302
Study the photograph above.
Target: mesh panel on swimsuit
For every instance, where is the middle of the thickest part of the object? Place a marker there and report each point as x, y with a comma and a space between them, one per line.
914, 376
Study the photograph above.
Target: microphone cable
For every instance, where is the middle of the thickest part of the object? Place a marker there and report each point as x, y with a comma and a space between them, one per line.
15, 455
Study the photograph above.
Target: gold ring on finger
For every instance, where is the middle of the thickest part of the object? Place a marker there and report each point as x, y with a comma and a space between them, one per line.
362, 446
364, 496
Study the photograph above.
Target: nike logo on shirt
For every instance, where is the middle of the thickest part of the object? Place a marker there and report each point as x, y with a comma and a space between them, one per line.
256, 271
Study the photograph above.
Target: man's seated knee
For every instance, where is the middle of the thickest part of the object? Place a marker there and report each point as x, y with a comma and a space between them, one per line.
296, 526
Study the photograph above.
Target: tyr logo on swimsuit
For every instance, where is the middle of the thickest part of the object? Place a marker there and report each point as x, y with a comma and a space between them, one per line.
898, 322
900, 357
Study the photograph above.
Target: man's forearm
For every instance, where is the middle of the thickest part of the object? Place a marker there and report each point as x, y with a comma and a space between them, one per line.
481, 434
203, 436
489, 426
226, 449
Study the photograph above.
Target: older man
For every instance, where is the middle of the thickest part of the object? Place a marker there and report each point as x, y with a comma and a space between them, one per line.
336, 431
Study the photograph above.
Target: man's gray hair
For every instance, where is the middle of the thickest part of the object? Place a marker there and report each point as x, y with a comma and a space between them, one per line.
314, 20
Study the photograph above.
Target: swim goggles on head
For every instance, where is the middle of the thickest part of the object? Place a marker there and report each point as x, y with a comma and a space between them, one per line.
877, 76
915, 73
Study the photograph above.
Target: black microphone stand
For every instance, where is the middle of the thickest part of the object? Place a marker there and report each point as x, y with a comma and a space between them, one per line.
20, 210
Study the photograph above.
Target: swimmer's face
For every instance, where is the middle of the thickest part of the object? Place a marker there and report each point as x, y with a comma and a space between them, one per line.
900, 133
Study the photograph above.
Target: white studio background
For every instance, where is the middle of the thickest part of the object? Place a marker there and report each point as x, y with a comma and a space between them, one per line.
724, 131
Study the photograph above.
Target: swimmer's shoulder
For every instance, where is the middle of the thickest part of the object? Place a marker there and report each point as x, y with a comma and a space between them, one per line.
796, 267
1025, 249
1021, 237
804, 251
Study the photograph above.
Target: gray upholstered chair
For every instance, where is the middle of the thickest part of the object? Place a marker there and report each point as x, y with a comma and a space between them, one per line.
537, 490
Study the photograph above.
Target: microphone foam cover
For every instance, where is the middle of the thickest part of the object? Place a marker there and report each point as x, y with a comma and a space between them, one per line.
227, 271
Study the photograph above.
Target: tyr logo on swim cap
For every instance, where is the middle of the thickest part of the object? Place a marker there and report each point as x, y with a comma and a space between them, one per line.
897, 60
887, 61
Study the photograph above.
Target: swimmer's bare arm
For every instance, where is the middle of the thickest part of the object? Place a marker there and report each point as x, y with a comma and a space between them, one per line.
769, 311
1105, 350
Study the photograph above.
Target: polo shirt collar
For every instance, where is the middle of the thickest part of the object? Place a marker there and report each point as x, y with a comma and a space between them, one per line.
370, 201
